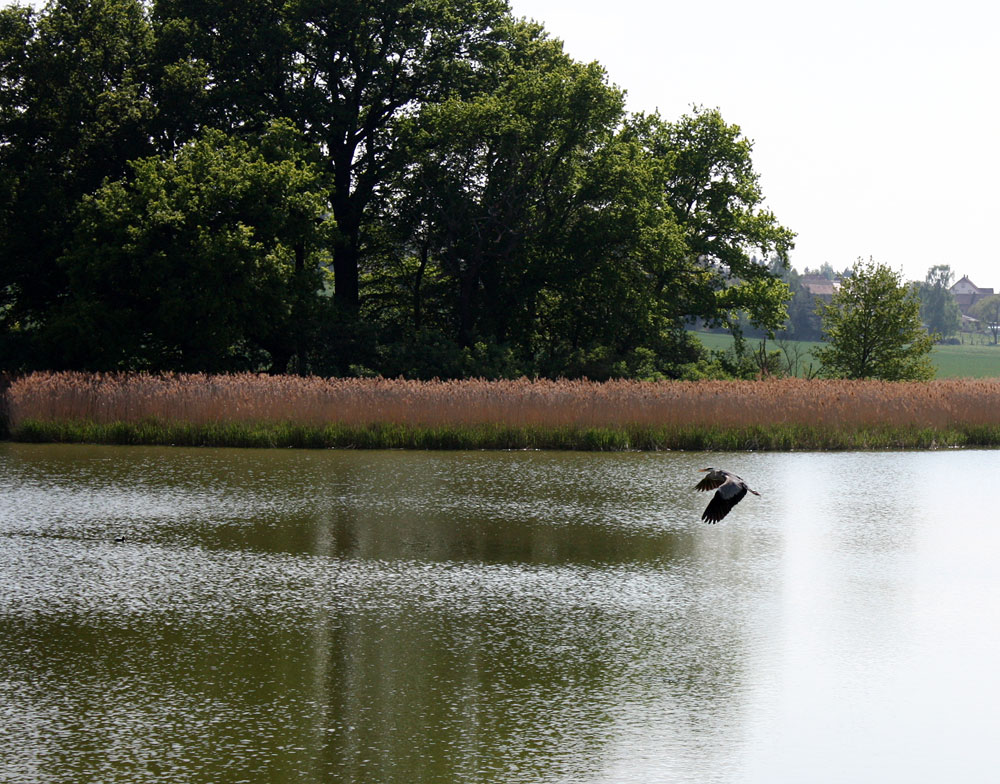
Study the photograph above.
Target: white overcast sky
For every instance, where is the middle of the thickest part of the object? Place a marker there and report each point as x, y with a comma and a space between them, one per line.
876, 123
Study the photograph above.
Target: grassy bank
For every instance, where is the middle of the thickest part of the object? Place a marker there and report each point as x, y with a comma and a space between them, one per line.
265, 411
395, 436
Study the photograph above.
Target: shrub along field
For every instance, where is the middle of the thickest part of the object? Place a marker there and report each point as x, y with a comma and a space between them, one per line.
260, 410
979, 360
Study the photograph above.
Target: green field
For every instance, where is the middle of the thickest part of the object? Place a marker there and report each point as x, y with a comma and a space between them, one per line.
963, 361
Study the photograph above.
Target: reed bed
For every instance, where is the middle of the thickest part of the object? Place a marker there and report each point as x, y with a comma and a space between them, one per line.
260, 410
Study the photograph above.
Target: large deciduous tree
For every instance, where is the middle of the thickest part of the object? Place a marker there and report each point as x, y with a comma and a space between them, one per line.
554, 222
208, 260
715, 194
480, 191
677, 236
364, 66
346, 71
501, 188
74, 108
873, 328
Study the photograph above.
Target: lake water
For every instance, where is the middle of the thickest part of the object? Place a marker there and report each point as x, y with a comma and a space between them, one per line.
211, 616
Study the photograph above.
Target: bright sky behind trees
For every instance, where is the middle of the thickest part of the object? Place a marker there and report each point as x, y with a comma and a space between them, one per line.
876, 122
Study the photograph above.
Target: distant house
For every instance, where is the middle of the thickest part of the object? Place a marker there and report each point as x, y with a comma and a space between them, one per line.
819, 286
968, 294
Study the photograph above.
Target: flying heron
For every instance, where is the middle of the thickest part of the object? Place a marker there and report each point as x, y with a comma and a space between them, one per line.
730, 492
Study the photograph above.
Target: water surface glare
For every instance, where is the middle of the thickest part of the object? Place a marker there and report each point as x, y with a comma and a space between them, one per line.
212, 616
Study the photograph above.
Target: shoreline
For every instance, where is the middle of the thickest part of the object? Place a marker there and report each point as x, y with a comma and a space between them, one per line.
283, 435
247, 410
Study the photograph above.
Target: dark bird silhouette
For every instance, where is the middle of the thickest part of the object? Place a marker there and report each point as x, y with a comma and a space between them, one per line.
730, 492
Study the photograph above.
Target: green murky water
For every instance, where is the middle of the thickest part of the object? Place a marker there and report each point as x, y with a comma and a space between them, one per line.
177, 615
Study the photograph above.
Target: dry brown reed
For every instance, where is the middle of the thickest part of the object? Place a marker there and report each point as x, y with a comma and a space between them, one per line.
204, 399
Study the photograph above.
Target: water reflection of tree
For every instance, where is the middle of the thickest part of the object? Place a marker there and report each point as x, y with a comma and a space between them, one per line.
564, 630
431, 694
512, 687
401, 624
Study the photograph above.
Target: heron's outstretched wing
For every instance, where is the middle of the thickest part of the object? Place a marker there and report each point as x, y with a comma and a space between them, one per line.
710, 482
725, 498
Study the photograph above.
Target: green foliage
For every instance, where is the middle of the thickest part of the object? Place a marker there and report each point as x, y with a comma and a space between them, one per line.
543, 222
366, 67
965, 360
428, 354
258, 435
804, 322
713, 194
987, 310
500, 193
74, 104
873, 328
206, 260
938, 308
406, 187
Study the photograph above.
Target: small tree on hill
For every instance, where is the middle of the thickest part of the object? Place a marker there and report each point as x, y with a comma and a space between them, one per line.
873, 330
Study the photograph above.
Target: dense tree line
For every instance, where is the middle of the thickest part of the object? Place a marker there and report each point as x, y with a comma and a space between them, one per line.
418, 187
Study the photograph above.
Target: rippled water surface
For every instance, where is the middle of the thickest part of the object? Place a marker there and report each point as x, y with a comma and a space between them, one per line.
200, 616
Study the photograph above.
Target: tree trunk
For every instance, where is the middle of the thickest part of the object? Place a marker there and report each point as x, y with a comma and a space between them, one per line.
417, 293
345, 271
347, 251
298, 310
466, 305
